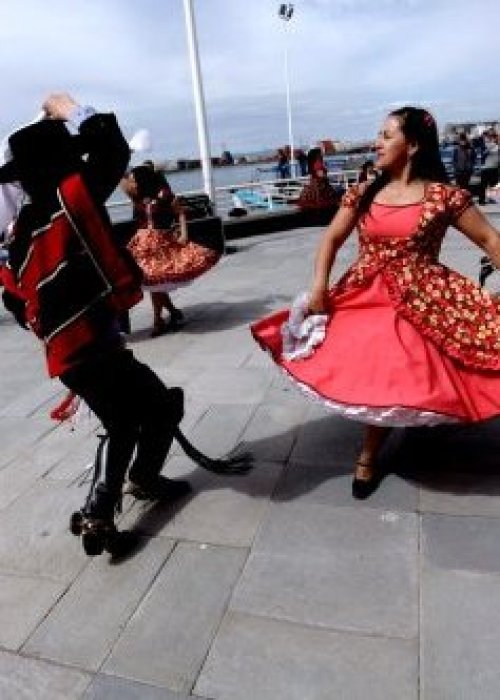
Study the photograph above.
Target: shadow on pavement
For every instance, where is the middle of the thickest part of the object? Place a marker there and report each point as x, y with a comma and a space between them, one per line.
453, 458
217, 316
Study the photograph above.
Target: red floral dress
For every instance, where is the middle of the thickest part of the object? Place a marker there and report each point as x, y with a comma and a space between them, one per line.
408, 341
165, 262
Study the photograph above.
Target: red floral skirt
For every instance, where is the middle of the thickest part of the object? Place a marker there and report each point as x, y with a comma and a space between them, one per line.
376, 367
167, 263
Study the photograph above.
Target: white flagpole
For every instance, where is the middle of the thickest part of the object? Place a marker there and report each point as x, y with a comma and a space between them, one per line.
199, 101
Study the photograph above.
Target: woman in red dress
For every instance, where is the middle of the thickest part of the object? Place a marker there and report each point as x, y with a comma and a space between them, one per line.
160, 246
408, 341
318, 193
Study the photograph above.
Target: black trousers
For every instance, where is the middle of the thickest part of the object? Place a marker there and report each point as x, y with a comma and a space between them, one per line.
489, 178
136, 409
462, 178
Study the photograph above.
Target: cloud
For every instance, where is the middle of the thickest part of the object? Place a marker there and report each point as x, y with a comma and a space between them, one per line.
349, 60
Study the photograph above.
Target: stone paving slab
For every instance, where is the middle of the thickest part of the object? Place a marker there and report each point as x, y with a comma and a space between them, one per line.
221, 510
21, 474
220, 428
19, 433
22, 678
82, 629
30, 402
76, 466
462, 494
460, 630
460, 613
24, 602
469, 544
244, 385
178, 617
344, 569
255, 657
326, 438
272, 431
328, 485
113, 688
34, 533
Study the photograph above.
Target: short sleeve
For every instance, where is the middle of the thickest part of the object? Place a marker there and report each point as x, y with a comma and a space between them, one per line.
458, 201
351, 197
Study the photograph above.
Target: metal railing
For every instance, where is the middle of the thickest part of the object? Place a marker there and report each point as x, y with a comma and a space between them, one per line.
254, 196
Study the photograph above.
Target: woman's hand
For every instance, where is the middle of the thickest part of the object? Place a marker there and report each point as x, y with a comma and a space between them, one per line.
318, 300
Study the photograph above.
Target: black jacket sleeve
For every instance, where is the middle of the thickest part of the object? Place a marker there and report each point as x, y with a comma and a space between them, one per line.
108, 154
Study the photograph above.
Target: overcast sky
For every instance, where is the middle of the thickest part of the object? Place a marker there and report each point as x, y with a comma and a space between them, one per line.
349, 62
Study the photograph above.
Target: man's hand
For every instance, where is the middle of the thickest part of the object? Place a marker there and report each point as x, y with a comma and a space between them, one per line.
59, 106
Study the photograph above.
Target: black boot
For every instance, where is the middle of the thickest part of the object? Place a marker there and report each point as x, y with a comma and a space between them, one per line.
145, 482
102, 504
95, 522
158, 488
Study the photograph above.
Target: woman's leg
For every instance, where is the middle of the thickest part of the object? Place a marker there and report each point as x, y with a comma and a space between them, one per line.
373, 440
365, 474
157, 303
159, 325
176, 314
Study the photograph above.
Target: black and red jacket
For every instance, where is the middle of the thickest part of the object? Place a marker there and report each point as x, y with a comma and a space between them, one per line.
64, 265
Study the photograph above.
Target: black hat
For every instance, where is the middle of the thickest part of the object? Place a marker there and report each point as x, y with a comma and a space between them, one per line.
42, 150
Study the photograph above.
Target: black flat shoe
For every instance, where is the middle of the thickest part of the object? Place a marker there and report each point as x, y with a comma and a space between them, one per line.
159, 329
363, 488
176, 316
160, 488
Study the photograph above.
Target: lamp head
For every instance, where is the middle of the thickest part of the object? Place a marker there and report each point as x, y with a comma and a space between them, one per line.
286, 11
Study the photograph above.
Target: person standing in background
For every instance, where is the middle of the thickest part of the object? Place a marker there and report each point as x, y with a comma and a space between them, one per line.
283, 166
491, 165
463, 161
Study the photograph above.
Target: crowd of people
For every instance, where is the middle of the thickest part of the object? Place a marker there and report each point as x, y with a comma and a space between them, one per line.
400, 340
471, 156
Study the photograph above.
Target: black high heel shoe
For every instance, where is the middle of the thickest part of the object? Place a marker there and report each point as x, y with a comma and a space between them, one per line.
159, 328
363, 488
176, 316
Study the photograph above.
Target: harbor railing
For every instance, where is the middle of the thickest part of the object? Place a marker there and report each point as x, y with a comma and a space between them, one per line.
253, 196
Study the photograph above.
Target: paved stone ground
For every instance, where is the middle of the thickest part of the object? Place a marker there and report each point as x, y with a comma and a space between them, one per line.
274, 586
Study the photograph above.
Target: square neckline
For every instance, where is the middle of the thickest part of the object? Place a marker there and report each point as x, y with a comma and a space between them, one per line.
408, 204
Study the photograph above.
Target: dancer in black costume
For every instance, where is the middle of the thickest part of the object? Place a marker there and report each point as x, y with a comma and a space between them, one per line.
68, 280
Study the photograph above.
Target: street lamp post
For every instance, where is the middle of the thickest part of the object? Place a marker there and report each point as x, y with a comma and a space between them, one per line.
199, 102
285, 13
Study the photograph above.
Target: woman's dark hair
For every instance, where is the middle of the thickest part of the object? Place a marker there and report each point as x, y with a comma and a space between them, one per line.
314, 156
147, 182
419, 128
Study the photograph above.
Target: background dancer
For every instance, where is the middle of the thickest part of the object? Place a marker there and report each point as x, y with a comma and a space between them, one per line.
408, 341
160, 246
318, 193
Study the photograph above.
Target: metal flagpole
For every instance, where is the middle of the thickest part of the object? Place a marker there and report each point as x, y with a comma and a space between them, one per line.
199, 102
285, 13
